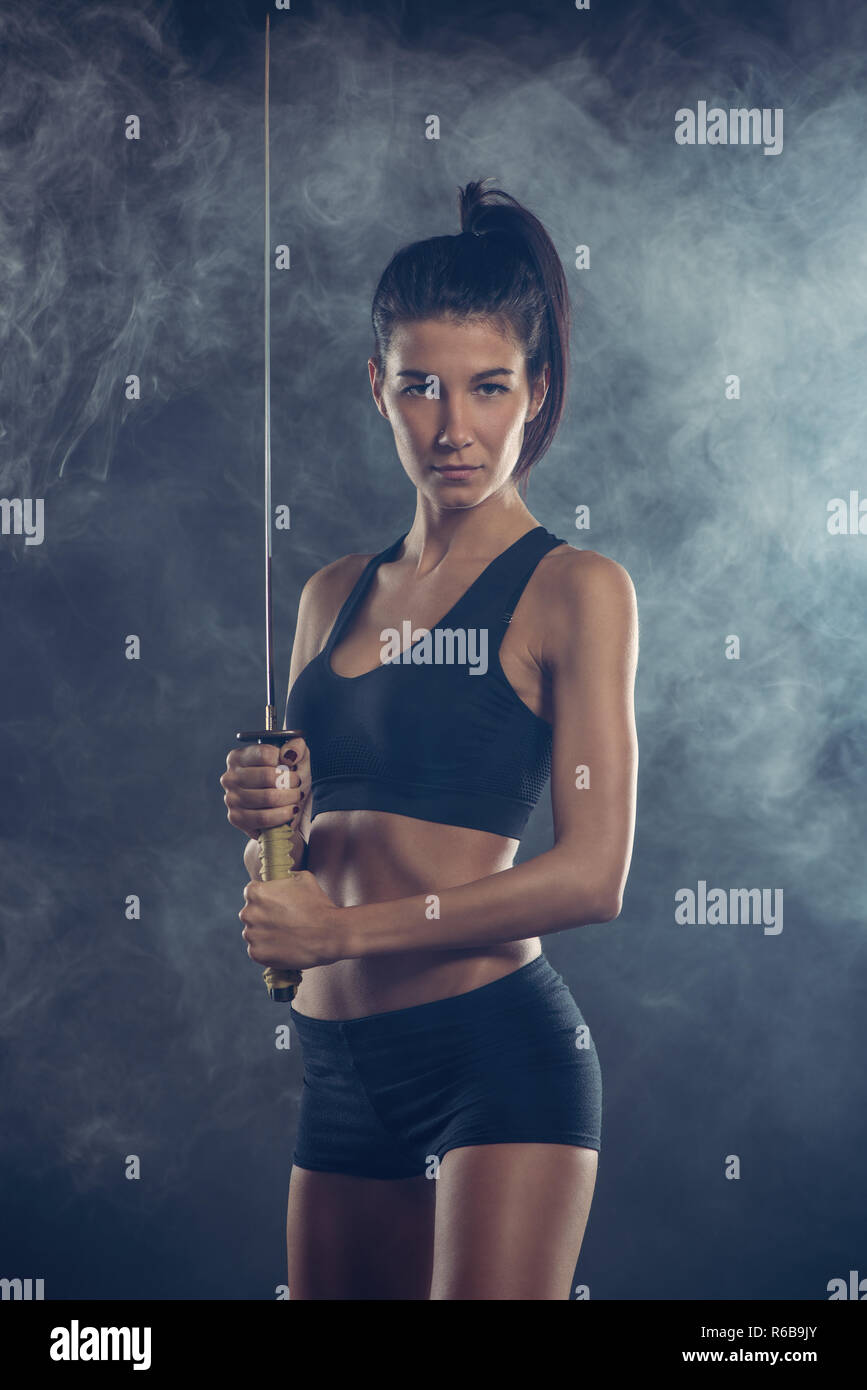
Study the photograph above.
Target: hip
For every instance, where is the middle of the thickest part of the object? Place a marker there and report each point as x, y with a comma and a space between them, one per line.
529, 1009
517, 1048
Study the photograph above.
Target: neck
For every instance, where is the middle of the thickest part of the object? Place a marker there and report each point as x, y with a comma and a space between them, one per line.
467, 533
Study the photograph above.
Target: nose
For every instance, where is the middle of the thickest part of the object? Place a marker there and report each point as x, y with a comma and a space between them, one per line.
455, 434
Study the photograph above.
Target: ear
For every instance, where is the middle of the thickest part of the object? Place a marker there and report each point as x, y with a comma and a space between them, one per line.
376, 385
540, 391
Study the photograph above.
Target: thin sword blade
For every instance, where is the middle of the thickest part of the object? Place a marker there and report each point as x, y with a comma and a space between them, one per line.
269, 629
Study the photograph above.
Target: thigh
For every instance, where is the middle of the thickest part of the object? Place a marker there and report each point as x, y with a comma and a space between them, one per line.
510, 1219
359, 1238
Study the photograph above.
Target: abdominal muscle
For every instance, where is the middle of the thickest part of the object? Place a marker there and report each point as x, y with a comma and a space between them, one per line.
375, 856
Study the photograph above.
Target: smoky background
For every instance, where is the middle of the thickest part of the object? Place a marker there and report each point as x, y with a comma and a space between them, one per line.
155, 1037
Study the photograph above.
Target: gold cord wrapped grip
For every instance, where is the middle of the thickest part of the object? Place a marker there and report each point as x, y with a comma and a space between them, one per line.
276, 858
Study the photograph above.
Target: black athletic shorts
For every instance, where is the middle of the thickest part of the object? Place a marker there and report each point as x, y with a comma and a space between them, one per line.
509, 1062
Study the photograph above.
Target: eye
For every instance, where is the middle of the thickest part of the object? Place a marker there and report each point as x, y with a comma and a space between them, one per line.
485, 386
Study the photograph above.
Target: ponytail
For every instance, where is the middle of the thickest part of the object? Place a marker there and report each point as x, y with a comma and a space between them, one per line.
503, 265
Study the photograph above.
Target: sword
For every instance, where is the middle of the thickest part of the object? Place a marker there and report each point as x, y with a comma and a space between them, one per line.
276, 847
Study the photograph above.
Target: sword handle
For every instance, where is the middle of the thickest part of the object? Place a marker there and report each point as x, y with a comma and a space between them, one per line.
276, 859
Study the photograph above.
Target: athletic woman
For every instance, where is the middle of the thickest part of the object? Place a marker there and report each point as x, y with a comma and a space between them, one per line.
450, 1117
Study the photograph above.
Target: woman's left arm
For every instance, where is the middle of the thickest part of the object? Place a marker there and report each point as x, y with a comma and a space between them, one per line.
590, 648
591, 651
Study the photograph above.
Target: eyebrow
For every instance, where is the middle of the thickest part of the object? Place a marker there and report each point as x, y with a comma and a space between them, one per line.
479, 376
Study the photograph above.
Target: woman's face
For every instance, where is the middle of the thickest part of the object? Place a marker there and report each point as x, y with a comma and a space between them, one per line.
469, 419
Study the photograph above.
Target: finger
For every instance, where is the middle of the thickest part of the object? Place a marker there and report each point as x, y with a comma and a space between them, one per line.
254, 822
293, 783
294, 752
288, 799
252, 753
257, 777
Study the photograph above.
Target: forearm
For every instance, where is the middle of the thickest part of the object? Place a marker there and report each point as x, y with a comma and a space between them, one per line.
543, 895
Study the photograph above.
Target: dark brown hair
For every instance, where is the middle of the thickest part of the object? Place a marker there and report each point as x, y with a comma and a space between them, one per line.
504, 266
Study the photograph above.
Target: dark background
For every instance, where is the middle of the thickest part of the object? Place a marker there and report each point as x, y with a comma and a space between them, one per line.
155, 1037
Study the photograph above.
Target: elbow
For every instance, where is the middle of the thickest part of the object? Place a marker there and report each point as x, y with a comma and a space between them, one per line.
591, 906
589, 895
607, 911
587, 899
609, 904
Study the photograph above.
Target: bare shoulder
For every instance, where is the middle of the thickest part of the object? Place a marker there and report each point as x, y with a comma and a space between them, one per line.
333, 583
582, 592
566, 571
326, 591
321, 599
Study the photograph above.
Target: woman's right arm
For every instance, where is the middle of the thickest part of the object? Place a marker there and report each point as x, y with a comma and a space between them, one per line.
256, 798
257, 794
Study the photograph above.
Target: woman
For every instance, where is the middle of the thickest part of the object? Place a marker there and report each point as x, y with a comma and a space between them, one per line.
450, 1119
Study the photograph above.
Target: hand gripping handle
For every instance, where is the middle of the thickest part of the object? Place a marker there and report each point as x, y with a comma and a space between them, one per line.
276, 857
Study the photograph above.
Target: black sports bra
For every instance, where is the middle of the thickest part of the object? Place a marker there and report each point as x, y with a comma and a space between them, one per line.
435, 731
